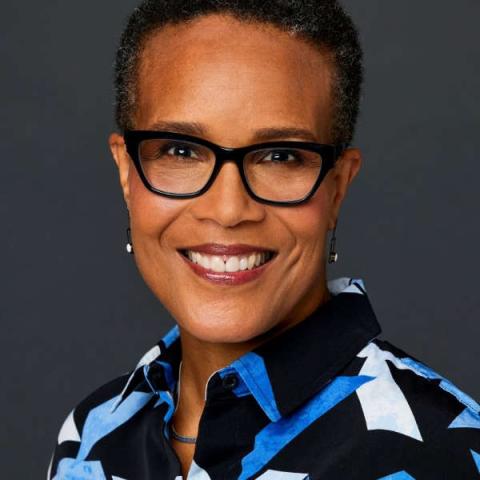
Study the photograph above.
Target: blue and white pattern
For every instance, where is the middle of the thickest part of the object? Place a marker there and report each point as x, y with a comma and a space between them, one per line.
330, 401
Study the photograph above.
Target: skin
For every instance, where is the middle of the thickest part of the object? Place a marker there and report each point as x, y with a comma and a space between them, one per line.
233, 78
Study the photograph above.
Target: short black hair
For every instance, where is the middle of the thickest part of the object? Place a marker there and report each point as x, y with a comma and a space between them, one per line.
322, 23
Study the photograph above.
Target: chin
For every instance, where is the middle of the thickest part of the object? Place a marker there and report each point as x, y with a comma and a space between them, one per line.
224, 332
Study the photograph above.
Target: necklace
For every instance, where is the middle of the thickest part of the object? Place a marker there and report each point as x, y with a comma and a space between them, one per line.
175, 434
181, 438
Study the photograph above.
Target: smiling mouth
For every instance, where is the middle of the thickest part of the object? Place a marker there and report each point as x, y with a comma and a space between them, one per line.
229, 263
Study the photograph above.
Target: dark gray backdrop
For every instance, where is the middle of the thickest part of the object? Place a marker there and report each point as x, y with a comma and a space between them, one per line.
74, 310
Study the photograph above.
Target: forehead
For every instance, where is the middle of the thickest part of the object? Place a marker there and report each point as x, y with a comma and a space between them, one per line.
219, 70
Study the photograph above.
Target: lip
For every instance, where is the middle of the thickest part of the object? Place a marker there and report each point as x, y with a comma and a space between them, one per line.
228, 278
220, 249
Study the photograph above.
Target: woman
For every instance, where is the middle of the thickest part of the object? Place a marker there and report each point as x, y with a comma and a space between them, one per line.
234, 160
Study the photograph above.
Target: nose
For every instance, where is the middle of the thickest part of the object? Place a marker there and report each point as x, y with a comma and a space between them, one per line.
227, 202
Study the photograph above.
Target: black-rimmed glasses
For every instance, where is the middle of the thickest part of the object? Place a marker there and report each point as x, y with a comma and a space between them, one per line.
183, 166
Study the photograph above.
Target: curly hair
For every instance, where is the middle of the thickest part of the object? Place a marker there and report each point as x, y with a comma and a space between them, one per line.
322, 23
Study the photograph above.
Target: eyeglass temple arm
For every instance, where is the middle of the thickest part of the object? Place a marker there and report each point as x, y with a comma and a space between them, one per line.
340, 148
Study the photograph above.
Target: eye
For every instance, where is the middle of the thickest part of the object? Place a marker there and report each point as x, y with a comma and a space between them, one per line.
281, 156
178, 149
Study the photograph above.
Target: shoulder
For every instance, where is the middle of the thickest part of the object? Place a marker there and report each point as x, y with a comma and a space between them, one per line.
398, 373
416, 379
69, 437
407, 396
89, 437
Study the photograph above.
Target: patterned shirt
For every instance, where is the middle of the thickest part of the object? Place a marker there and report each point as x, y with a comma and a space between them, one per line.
325, 399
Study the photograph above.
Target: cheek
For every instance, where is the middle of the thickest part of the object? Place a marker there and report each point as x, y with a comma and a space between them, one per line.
150, 213
151, 216
309, 222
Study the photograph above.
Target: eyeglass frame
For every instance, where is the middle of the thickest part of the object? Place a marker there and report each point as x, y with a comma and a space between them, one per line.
329, 153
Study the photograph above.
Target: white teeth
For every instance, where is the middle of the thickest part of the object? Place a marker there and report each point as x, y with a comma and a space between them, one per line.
205, 261
217, 264
243, 264
233, 263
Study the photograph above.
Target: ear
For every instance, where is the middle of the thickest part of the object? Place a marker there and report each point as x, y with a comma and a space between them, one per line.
122, 160
345, 169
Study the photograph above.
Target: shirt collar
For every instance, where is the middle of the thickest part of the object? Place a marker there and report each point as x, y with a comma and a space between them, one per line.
287, 370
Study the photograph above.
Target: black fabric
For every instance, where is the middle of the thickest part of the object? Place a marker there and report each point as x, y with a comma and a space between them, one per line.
347, 405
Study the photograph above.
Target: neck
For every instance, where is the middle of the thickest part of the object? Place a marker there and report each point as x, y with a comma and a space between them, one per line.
201, 359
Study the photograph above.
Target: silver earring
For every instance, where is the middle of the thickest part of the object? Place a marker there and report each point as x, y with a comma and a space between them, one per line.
333, 255
129, 242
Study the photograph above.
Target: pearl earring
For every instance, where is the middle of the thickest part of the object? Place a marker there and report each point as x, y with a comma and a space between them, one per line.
333, 255
129, 242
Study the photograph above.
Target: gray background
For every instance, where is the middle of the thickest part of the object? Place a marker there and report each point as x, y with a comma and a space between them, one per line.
74, 310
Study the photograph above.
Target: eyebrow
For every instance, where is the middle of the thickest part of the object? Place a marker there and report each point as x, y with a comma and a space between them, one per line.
260, 135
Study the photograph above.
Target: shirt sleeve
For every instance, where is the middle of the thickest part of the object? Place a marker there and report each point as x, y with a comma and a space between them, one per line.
69, 456
67, 444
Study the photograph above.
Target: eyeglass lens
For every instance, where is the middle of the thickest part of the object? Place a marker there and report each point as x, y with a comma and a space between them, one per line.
183, 167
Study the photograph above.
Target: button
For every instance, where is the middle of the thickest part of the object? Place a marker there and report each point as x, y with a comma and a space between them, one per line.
230, 381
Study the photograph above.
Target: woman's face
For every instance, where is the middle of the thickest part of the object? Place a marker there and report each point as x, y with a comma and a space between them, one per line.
233, 79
